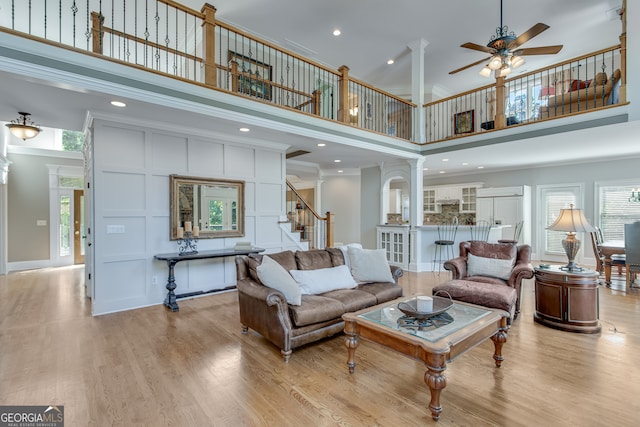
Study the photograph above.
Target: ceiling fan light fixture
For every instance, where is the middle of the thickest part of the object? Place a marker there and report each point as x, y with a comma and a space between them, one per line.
485, 72
504, 71
495, 63
23, 127
516, 61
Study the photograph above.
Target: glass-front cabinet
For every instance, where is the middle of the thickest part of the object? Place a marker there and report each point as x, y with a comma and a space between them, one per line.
429, 204
468, 199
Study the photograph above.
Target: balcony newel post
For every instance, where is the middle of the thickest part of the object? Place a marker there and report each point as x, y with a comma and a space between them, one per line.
343, 94
316, 102
209, 43
97, 21
500, 120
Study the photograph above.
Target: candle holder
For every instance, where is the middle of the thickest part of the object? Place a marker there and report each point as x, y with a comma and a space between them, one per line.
188, 244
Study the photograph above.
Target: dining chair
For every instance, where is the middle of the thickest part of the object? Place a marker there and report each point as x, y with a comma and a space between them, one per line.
444, 245
480, 231
617, 260
517, 231
632, 251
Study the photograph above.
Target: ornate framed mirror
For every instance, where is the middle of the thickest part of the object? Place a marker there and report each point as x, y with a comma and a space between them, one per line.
207, 207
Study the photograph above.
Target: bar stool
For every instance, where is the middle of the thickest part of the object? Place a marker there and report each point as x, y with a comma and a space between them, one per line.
480, 231
517, 231
444, 245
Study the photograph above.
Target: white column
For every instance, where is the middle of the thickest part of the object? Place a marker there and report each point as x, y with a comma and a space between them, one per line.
417, 88
415, 213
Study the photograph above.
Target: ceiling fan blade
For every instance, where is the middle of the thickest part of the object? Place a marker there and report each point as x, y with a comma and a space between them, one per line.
474, 46
469, 66
542, 50
528, 35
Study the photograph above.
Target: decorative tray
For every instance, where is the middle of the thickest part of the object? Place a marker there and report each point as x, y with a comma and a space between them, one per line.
410, 307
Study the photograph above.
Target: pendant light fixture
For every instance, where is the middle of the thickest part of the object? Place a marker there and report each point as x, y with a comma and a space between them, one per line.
23, 127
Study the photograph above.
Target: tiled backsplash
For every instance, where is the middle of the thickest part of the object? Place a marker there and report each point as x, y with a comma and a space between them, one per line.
447, 214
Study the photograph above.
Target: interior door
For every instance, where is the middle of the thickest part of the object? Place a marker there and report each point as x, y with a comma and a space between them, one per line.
78, 227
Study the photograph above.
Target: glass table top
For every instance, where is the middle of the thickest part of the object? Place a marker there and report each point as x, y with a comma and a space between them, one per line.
433, 329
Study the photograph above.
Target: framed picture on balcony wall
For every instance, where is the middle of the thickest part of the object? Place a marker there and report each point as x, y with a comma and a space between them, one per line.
463, 122
250, 76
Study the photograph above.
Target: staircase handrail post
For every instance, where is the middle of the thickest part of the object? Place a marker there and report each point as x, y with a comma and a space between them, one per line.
329, 230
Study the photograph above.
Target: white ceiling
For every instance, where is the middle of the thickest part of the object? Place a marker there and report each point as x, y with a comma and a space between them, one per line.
372, 32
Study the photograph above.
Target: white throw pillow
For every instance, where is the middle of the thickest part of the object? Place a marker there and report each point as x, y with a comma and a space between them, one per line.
321, 280
493, 267
369, 265
274, 275
345, 252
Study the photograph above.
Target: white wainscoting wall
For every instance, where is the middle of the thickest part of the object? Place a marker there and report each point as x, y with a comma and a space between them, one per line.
130, 189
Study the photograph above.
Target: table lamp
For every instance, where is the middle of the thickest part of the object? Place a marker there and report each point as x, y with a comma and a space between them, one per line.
571, 220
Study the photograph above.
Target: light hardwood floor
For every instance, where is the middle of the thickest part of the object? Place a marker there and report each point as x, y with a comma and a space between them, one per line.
151, 367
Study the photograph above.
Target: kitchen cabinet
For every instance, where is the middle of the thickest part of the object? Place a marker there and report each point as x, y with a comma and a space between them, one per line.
468, 199
429, 202
462, 194
448, 193
506, 206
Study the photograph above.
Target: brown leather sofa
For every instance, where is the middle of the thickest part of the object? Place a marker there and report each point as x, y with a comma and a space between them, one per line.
486, 290
599, 92
266, 311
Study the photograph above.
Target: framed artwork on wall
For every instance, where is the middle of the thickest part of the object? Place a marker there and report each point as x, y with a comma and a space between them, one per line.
464, 122
252, 76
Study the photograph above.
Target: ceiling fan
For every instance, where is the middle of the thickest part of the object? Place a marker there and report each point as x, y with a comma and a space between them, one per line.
504, 49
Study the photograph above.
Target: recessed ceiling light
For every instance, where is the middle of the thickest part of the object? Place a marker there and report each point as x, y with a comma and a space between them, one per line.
445, 160
425, 169
480, 167
337, 161
244, 129
340, 171
337, 32
118, 104
321, 144
441, 171
465, 163
390, 62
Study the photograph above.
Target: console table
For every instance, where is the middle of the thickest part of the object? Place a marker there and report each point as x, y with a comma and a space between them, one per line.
567, 300
173, 258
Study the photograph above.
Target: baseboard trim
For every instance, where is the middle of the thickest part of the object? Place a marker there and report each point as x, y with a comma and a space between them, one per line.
28, 265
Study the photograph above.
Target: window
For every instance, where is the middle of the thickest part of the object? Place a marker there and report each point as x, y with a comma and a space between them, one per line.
553, 198
615, 209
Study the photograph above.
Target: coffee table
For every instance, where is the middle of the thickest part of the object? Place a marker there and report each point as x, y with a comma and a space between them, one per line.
469, 325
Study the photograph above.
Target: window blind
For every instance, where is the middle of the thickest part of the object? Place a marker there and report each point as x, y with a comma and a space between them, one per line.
616, 210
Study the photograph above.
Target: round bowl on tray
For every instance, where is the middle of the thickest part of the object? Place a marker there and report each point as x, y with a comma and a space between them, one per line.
410, 307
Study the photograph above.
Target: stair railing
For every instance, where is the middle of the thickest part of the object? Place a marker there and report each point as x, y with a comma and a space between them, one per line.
313, 228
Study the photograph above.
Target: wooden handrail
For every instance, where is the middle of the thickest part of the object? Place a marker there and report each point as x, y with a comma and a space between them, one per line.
382, 92
149, 43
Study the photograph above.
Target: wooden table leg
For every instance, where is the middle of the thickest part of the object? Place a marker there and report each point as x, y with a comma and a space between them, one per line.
351, 341
499, 338
607, 270
435, 379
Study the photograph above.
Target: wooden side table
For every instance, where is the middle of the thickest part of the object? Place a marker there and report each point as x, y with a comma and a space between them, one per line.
567, 300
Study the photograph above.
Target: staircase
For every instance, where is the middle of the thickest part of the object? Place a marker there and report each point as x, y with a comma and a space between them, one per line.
304, 225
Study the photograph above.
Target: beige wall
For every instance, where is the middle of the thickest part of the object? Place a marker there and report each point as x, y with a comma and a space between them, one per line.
28, 201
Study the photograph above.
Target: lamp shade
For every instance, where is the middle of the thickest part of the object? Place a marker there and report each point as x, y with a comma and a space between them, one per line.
495, 62
571, 220
485, 72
